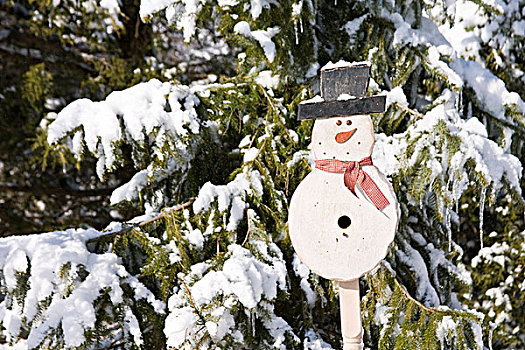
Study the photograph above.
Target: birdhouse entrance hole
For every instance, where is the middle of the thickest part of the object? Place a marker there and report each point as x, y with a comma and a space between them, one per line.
344, 221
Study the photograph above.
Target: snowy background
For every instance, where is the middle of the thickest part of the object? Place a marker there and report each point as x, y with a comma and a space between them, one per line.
190, 126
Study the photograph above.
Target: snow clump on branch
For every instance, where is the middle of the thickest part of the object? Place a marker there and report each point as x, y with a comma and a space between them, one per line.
63, 281
154, 114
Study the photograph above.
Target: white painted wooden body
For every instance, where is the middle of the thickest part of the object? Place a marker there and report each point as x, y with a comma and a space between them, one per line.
332, 252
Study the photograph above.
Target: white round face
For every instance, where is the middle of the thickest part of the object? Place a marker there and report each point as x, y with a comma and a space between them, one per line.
343, 137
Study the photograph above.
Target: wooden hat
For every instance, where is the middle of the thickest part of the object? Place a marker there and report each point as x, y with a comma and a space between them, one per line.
343, 92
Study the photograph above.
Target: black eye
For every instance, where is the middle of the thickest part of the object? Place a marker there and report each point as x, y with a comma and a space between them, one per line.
348, 122
339, 122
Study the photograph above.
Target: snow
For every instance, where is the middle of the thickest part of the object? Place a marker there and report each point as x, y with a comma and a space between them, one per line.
227, 3
382, 314
132, 325
438, 262
20, 345
312, 70
257, 6
500, 297
53, 103
141, 108
314, 99
478, 334
303, 273
491, 93
242, 28
179, 324
396, 95
434, 61
242, 280
428, 34
110, 5
297, 8
313, 341
129, 190
492, 162
278, 328
519, 28
465, 42
246, 141
497, 252
225, 323
15, 263
387, 152
425, 291
98, 121
353, 26
267, 80
343, 64
174, 252
293, 135
182, 13
136, 116
446, 326
474, 126
373, 86
475, 26
233, 194
196, 238
250, 154
263, 37
71, 300
300, 155
12, 321
345, 97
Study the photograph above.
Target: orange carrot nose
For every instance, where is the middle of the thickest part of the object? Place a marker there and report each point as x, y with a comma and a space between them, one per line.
344, 136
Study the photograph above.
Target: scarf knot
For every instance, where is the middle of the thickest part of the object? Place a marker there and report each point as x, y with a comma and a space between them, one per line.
353, 174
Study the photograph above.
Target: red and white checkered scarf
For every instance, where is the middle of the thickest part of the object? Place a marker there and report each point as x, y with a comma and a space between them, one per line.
353, 174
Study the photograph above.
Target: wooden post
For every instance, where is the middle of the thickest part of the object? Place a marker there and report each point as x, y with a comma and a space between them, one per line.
350, 307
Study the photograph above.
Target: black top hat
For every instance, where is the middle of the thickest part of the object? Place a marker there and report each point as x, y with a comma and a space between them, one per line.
351, 80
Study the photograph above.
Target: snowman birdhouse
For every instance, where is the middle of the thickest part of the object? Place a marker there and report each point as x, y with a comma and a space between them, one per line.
343, 216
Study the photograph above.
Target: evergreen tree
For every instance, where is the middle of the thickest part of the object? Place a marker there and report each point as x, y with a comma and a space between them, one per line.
217, 155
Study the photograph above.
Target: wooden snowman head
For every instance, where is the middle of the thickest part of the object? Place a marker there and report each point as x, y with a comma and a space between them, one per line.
343, 216
343, 137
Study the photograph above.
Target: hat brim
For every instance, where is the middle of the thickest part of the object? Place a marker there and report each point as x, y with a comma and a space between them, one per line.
326, 109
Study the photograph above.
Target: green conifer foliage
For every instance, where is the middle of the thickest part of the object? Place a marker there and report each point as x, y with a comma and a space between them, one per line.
215, 161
